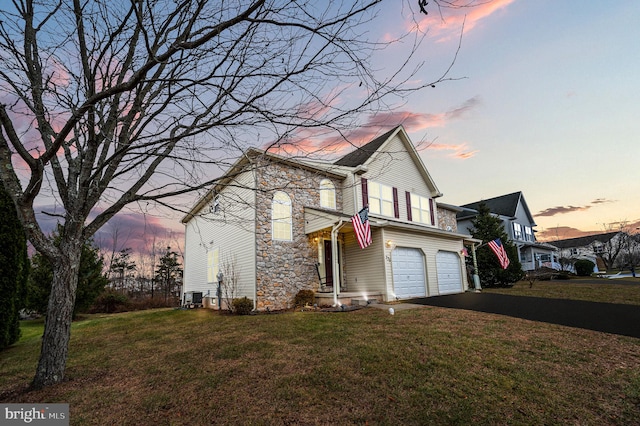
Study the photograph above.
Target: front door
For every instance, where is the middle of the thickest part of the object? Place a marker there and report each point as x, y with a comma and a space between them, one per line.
328, 263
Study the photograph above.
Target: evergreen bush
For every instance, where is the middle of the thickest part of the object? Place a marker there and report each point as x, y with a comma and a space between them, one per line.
584, 267
242, 306
304, 298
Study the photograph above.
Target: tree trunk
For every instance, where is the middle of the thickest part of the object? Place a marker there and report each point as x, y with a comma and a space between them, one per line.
57, 329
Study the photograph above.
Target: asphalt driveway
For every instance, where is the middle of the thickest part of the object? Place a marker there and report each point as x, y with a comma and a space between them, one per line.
606, 317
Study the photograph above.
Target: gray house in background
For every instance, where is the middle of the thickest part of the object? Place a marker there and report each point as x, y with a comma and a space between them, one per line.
591, 247
519, 225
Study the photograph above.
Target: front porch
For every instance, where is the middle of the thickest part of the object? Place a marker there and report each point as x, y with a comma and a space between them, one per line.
347, 298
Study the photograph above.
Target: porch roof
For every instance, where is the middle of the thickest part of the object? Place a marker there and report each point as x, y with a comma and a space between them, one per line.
322, 219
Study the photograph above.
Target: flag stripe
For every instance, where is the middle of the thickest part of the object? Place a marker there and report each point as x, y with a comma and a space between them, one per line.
497, 247
361, 227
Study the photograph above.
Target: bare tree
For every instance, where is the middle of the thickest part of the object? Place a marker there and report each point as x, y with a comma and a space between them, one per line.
229, 285
108, 104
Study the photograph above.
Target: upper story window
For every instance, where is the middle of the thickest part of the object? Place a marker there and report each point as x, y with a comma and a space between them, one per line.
420, 209
381, 200
598, 249
517, 231
327, 194
281, 218
528, 233
573, 251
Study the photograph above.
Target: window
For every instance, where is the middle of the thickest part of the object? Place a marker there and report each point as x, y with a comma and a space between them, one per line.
598, 249
327, 194
573, 251
528, 233
420, 209
213, 264
215, 208
281, 220
381, 200
517, 231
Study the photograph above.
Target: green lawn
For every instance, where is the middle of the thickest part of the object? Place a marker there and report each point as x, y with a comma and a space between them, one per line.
421, 366
625, 291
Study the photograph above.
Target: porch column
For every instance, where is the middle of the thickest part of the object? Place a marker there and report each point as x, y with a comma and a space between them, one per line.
476, 277
335, 266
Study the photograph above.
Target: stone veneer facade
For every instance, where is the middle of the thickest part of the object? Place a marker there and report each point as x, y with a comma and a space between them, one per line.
285, 267
446, 218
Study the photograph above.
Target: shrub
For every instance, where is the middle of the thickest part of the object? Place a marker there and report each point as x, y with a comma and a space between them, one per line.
110, 301
584, 267
242, 306
563, 275
304, 298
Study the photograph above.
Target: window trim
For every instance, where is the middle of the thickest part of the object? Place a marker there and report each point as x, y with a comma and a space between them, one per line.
384, 205
328, 193
286, 220
423, 206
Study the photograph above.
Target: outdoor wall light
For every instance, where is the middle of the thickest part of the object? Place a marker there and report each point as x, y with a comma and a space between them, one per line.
390, 244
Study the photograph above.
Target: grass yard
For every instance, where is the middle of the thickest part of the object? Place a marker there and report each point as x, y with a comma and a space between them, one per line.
422, 366
625, 291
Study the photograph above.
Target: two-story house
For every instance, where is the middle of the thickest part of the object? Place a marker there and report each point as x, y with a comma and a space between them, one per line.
519, 225
601, 249
284, 225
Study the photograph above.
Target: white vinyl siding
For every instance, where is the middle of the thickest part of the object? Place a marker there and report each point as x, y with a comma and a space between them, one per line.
213, 264
380, 199
231, 231
395, 167
327, 194
420, 211
281, 219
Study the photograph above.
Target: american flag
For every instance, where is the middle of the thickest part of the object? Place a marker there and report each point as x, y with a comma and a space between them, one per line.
497, 247
361, 227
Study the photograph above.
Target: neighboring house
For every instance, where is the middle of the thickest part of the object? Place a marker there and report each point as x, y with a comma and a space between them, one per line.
599, 249
519, 225
281, 225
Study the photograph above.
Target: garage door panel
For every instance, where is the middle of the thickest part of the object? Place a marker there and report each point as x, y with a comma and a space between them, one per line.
448, 270
408, 273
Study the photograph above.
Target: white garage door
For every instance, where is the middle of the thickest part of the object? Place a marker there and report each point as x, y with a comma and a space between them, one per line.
408, 273
449, 277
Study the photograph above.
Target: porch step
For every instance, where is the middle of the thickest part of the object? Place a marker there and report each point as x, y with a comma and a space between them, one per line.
363, 302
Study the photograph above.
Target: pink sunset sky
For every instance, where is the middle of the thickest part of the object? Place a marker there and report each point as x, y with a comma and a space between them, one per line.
543, 101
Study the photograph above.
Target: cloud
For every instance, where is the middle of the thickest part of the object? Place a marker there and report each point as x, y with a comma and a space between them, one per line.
561, 233
138, 232
460, 151
469, 13
552, 211
602, 201
319, 142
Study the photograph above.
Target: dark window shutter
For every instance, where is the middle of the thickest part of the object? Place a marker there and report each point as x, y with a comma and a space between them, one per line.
408, 194
433, 213
396, 207
365, 192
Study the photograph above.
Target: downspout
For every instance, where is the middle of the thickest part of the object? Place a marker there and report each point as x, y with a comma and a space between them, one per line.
335, 267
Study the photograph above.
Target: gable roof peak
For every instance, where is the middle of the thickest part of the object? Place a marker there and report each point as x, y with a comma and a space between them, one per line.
360, 155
